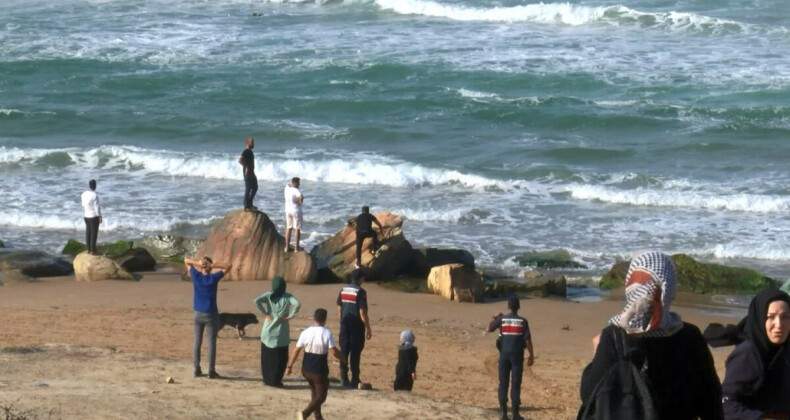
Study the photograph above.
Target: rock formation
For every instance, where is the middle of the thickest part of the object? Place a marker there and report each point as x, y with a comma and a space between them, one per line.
250, 241
26, 265
89, 267
457, 282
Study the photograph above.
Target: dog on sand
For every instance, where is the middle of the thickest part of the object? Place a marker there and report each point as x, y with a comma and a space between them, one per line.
238, 321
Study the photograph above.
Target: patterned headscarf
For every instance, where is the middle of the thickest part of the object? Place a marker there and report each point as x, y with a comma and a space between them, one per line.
650, 286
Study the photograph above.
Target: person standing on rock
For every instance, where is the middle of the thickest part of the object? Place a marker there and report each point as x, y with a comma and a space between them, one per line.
514, 338
293, 213
278, 307
205, 277
365, 222
317, 342
247, 161
352, 310
91, 211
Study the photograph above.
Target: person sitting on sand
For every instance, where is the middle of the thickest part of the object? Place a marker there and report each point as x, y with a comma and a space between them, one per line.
365, 222
317, 341
678, 363
279, 307
757, 382
514, 338
205, 276
406, 369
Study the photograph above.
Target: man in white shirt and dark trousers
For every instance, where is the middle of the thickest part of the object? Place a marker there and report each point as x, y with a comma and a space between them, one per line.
293, 213
317, 341
92, 214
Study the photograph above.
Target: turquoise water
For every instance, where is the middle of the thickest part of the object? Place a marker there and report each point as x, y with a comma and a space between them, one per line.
501, 127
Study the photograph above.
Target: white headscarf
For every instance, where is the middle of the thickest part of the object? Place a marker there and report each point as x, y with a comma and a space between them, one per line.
406, 339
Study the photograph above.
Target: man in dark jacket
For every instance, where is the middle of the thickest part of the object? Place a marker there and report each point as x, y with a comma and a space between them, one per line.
514, 338
365, 222
352, 309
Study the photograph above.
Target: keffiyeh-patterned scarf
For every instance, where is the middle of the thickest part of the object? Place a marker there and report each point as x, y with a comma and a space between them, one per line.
650, 286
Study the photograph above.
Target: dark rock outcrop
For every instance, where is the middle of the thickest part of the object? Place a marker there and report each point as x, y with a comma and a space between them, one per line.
169, 247
535, 285
424, 259
73, 247
558, 258
26, 265
135, 259
336, 256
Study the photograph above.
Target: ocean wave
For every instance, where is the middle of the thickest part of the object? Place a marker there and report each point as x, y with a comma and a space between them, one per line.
334, 167
120, 222
751, 203
757, 251
564, 13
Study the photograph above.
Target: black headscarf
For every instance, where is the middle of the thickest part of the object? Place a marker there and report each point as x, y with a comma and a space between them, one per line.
754, 324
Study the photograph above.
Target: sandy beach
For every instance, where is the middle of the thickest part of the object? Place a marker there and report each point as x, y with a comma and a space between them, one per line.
105, 349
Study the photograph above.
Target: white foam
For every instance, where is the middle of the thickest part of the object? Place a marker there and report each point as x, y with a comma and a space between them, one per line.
9, 111
117, 222
774, 251
753, 203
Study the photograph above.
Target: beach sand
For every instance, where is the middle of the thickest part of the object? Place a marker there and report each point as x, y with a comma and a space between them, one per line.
104, 350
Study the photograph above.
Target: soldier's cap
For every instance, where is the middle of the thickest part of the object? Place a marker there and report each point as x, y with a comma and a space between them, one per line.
513, 303
357, 274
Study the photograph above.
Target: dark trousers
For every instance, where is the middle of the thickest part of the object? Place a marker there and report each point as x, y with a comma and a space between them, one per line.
511, 366
319, 387
273, 364
352, 341
250, 189
361, 238
91, 233
210, 322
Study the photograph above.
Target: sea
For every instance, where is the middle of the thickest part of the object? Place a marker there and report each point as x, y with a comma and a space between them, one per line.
599, 127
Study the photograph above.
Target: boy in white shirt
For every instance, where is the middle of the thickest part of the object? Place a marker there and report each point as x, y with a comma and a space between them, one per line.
317, 341
92, 214
293, 212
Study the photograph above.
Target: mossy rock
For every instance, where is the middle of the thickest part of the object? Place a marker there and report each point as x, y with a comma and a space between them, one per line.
697, 277
558, 258
74, 247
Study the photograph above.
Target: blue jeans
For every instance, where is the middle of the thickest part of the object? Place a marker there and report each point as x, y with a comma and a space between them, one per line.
210, 322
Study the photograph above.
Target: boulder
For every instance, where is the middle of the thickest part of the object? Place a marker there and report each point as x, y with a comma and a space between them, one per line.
558, 258
89, 267
697, 277
424, 259
456, 282
135, 259
74, 247
26, 265
169, 247
250, 241
534, 284
336, 256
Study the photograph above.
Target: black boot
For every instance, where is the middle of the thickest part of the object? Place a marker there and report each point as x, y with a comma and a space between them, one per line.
516, 414
503, 412
344, 376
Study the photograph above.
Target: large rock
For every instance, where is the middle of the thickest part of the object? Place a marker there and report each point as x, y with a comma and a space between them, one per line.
424, 259
169, 247
336, 256
250, 241
89, 267
73, 247
558, 258
697, 277
26, 265
456, 282
533, 284
135, 259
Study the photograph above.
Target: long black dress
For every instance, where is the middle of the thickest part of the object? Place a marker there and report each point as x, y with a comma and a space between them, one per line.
407, 364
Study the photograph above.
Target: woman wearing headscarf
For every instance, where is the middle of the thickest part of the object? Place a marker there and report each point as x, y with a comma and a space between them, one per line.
679, 366
278, 307
757, 382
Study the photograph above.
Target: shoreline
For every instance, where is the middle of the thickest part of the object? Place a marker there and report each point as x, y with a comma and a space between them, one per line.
152, 317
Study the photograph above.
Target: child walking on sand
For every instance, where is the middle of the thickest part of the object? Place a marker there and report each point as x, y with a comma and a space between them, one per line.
406, 370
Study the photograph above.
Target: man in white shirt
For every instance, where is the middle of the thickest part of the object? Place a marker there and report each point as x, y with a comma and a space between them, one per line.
317, 341
293, 213
92, 214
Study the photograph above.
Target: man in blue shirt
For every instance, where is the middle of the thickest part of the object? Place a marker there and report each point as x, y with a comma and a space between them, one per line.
205, 277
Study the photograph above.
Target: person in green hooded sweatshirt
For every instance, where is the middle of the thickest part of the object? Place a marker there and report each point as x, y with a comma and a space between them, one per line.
278, 307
